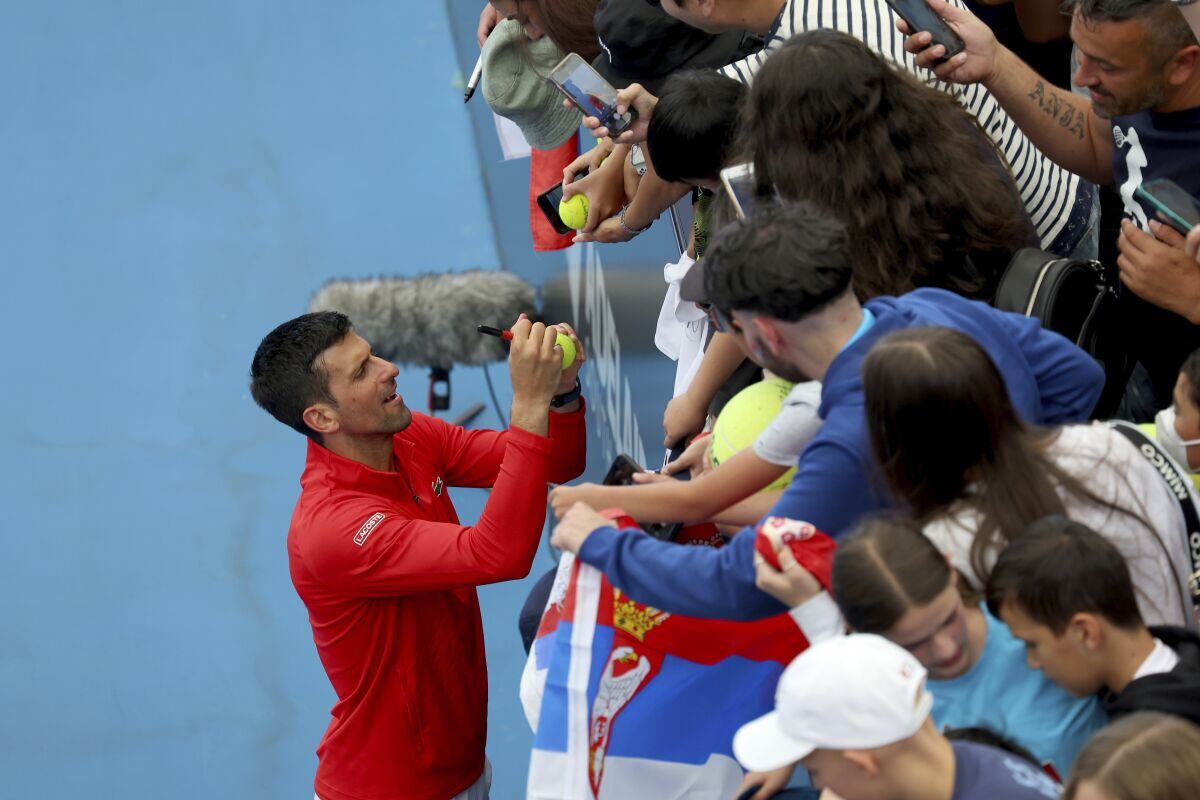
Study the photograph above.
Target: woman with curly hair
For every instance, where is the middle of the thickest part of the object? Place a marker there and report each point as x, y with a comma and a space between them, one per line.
928, 200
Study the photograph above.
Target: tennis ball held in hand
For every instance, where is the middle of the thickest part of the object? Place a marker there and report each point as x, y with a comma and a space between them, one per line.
561, 341
568, 348
574, 211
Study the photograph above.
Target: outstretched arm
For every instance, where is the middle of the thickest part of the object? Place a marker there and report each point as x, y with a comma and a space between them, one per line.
1060, 123
677, 501
697, 581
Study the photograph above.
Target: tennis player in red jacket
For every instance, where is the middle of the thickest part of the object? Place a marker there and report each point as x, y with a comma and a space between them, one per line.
378, 556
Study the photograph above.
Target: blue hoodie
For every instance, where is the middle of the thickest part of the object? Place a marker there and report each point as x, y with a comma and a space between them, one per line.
1050, 382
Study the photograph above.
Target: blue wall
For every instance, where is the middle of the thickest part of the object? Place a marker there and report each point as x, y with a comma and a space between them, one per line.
179, 177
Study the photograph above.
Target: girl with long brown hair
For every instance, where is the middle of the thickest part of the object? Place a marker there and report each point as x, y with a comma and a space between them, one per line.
950, 447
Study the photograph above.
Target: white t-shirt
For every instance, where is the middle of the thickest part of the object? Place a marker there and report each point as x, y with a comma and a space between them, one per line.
790, 431
1047, 190
1111, 467
682, 328
1162, 659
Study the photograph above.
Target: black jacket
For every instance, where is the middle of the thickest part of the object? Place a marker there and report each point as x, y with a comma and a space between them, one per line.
1175, 692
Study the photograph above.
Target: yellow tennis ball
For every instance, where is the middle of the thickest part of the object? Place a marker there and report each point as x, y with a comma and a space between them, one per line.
573, 211
744, 417
568, 348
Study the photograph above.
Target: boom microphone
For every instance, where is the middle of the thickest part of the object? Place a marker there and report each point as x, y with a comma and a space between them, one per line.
430, 320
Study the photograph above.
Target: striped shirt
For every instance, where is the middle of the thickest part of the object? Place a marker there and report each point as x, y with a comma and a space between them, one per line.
1047, 190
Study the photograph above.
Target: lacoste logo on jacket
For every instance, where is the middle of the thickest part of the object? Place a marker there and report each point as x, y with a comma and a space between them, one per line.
361, 537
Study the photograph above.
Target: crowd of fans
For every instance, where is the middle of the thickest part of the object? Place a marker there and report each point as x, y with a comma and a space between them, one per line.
1011, 562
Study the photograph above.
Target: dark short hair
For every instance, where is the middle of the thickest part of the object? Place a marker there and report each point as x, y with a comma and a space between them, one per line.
693, 124
1058, 568
285, 375
784, 260
884, 569
1191, 371
1166, 29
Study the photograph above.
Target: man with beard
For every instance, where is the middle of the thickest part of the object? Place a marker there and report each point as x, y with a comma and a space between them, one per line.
1140, 62
380, 559
779, 284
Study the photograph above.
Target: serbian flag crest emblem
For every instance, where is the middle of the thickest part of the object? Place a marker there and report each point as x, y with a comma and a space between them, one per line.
629, 701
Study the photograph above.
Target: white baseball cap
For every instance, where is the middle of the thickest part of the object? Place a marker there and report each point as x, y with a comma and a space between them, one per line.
853, 692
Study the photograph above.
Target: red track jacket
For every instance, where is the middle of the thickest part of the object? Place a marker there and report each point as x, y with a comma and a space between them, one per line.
388, 576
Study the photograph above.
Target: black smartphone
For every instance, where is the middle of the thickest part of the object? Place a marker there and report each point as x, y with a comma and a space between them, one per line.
621, 474
548, 202
621, 471
590, 93
920, 17
1169, 202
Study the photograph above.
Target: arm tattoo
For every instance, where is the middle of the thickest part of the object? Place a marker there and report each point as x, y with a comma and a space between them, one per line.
1052, 102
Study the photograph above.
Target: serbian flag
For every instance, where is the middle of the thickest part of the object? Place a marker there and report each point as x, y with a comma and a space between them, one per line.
630, 701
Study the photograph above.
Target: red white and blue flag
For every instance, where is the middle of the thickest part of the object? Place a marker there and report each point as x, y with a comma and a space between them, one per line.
629, 701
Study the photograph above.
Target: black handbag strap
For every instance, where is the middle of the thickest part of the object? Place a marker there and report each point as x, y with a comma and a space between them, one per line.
1180, 486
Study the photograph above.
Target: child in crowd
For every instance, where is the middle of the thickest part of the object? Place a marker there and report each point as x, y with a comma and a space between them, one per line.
855, 712
1066, 592
888, 579
1144, 756
950, 445
1178, 428
688, 142
732, 493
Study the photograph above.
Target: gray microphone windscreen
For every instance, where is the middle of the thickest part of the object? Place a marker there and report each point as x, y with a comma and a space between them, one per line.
429, 320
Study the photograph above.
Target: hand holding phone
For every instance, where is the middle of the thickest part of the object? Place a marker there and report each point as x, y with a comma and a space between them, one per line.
590, 93
621, 474
621, 471
920, 17
1169, 202
547, 203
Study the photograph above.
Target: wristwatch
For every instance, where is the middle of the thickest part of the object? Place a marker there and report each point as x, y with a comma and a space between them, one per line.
560, 400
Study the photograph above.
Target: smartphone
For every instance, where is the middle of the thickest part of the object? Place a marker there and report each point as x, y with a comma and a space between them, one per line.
590, 93
621, 474
738, 181
548, 202
1177, 208
622, 470
920, 17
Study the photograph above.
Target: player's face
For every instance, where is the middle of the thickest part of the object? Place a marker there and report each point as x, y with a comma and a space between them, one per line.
936, 634
1116, 66
363, 385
